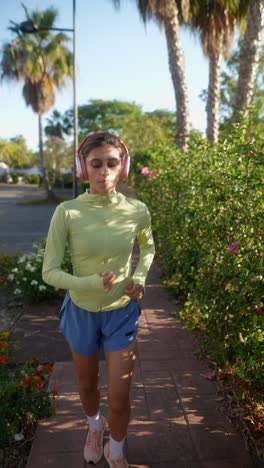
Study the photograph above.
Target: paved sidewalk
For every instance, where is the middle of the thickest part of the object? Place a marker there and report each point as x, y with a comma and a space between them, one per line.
175, 422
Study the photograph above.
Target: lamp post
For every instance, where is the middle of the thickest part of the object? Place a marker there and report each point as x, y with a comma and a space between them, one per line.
31, 28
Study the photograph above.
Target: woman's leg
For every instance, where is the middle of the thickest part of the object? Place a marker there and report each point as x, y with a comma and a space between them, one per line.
88, 369
120, 367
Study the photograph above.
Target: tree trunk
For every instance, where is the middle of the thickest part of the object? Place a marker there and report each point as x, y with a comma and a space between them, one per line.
177, 70
249, 57
214, 94
50, 194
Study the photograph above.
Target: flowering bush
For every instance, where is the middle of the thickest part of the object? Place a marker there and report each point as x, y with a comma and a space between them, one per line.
150, 173
207, 216
7, 263
26, 277
23, 394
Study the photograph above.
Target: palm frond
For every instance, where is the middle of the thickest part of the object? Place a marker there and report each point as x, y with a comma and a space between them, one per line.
41, 60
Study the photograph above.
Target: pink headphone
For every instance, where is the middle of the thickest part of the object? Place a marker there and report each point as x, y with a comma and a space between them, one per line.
81, 162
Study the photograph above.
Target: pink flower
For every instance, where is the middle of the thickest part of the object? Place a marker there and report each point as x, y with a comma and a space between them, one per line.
234, 247
145, 171
210, 376
153, 174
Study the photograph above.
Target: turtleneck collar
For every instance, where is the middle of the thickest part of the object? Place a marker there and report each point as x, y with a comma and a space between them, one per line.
100, 199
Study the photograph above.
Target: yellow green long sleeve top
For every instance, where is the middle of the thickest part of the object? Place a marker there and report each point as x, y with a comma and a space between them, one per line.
100, 230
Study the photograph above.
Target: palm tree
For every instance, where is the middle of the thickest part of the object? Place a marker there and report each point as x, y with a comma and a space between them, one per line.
43, 62
58, 125
215, 21
249, 57
166, 14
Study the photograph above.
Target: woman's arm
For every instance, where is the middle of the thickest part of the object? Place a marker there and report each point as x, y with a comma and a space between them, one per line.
146, 245
54, 252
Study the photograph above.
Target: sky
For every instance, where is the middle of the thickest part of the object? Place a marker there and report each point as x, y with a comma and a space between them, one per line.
118, 57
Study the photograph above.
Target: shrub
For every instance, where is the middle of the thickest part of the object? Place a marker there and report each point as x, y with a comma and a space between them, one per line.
32, 178
7, 263
84, 186
67, 180
26, 277
23, 394
15, 177
207, 217
4, 178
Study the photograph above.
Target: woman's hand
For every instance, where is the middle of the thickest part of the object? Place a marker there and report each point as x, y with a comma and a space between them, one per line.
135, 291
108, 279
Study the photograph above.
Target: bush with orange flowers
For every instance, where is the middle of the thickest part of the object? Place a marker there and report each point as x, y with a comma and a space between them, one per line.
24, 395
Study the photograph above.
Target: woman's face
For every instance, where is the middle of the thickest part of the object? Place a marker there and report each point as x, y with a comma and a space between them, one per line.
104, 166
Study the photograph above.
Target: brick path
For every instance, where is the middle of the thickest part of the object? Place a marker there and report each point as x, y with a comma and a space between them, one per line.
175, 422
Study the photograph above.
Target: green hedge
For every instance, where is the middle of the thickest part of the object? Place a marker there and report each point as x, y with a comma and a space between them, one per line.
32, 178
207, 215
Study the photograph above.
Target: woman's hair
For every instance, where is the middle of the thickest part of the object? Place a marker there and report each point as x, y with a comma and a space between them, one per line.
101, 139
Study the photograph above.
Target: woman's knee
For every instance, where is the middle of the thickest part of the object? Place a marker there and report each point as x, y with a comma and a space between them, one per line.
88, 387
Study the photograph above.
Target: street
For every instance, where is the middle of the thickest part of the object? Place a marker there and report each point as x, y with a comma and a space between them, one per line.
22, 225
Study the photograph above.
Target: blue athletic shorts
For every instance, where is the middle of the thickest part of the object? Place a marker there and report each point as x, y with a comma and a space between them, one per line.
86, 332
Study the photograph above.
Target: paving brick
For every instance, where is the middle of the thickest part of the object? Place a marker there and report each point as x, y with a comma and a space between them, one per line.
215, 442
210, 418
195, 403
187, 365
57, 460
178, 464
163, 403
241, 462
201, 464
139, 407
61, 433
153, 378
159, 441
68, 403
192, 383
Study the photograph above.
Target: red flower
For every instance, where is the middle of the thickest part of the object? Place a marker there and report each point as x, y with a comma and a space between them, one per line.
28, 380
24, 383
38, 384
35, 358
54, 392
37, 372
4, 358
48, 367
37, 378
234, 247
